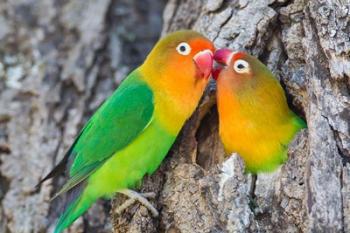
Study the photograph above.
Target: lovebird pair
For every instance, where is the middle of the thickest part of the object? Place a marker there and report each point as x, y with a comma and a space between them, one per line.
133, 130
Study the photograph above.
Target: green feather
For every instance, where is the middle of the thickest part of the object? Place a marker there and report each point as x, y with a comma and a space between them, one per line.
109, 129
121, 119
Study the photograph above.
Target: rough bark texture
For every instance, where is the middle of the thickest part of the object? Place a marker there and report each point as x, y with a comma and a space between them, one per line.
59, 62
306, 44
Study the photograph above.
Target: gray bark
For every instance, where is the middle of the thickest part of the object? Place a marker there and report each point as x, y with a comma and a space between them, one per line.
306, 44
60, 61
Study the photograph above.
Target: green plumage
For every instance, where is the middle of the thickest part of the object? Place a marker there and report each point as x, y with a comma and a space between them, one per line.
131, 133
111, 152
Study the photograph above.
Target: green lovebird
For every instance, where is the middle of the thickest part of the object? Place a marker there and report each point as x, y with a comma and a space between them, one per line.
254, 118
133, 130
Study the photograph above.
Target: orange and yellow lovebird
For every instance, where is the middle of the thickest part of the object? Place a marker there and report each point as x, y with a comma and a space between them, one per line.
133, 130
254, 118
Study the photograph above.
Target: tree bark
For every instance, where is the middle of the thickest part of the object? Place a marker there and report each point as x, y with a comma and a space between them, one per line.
59, 61
306, 44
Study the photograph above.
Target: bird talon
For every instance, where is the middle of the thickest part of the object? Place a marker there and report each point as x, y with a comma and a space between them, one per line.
149, 195
140, 197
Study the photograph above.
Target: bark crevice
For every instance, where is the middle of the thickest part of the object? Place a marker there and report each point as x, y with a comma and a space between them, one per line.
57, 66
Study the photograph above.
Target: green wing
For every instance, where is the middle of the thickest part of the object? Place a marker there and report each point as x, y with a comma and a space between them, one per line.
114, 125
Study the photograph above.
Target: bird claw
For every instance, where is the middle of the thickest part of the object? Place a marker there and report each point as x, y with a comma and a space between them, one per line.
140, 197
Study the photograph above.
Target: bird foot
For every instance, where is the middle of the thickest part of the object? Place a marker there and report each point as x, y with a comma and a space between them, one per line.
140, 197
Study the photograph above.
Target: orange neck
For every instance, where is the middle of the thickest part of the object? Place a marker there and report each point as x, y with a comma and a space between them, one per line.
176, 93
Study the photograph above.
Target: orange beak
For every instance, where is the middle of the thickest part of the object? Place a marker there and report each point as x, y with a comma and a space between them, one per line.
204, 62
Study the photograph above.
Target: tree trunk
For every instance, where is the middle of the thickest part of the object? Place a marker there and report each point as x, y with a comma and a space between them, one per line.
59, 61
306, 44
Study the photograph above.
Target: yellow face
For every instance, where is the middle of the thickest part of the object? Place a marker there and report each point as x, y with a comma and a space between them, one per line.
178, 70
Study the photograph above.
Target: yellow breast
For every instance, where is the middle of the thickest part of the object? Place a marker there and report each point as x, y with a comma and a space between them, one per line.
258, 134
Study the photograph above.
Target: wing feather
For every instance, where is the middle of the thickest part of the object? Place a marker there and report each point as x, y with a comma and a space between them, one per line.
115, 124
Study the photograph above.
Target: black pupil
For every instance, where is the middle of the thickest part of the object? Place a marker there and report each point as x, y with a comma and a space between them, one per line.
240, 66
182, 48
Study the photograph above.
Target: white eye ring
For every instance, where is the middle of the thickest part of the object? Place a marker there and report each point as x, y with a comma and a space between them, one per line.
183, 48
241, 66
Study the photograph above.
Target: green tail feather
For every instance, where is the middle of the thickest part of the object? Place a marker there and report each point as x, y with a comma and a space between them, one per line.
299, 122
74, 210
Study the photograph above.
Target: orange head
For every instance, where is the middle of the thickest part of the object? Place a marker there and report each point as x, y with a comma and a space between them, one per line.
242, 72
183, 52
249, 83
178, 68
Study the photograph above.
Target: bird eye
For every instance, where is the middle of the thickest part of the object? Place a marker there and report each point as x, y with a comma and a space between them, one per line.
183, 48
241, 66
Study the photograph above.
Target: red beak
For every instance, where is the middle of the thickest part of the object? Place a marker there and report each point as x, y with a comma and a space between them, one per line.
223, 56
216, 71
204, 62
